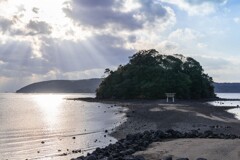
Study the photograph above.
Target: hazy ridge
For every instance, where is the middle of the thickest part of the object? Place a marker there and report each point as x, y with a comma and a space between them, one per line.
227, 87
62, 86
90, 86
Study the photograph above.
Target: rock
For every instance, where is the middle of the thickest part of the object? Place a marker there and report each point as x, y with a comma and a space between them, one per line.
64, 154
129, 158
42, 142
167, 158
91, 157
124, 148
130, 151
140, 158
201, 159
73, 137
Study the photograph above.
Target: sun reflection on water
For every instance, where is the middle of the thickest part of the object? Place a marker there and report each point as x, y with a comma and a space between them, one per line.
50, 108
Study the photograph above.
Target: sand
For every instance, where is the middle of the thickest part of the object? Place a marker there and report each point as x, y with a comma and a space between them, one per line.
183, 116
211, 149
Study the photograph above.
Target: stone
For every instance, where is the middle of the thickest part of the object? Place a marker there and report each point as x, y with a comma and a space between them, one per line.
167, 158
139, 158
91, 157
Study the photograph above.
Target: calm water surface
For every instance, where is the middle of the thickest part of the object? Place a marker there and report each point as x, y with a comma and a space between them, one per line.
235, 111
43, 126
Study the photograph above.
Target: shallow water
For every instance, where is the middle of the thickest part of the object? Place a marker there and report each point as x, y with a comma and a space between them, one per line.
235, 111
44, 126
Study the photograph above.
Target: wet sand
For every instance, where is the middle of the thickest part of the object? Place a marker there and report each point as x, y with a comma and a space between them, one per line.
183, 116
211, 149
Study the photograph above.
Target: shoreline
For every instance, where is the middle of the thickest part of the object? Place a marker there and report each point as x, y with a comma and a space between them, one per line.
182, 116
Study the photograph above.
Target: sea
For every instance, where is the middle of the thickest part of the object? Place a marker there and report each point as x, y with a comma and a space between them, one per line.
233, 103
47, 126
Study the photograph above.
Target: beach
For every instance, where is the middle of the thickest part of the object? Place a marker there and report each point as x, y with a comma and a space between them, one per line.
181, 116
184, 117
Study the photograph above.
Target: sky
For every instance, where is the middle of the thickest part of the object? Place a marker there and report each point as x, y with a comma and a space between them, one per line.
77, 39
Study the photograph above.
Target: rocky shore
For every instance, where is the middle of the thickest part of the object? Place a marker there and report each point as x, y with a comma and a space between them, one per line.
124, 148
157, 121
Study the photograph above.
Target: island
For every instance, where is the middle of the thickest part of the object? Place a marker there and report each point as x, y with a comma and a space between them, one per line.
189, 128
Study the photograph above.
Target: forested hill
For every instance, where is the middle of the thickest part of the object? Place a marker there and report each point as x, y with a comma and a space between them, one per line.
149, 75
227, 87
62, 86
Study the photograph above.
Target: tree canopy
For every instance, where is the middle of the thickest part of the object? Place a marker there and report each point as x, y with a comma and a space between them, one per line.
149, 75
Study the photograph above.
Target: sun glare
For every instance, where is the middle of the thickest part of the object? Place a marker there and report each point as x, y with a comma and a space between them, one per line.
49, 107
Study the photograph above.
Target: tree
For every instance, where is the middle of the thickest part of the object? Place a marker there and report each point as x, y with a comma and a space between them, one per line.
150, 75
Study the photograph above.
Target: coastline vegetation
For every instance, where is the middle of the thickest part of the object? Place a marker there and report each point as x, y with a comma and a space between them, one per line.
149, 75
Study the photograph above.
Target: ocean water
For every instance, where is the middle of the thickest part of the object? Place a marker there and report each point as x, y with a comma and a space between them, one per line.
235, 103
47, 126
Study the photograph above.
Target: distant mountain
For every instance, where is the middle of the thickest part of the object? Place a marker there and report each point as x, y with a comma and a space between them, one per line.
62, 86
90, 86
227, 87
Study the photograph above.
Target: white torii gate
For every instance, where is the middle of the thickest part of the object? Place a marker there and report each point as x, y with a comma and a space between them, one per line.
170, 95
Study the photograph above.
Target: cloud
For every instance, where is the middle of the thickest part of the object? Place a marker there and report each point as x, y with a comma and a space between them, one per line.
18, 61
199, 2
168, 46
100, 14
98, 51
62, 56
197, 7
3, 1
107, 13
186, 34
5, 24
35, 10
38, 27
212, 63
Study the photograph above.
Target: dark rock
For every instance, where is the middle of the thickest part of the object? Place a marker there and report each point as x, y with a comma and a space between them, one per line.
64, 154
129, 158
139, 158
91, 157
167, 158
124, 148
77, 151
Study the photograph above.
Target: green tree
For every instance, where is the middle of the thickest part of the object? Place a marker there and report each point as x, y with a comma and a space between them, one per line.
150, 75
